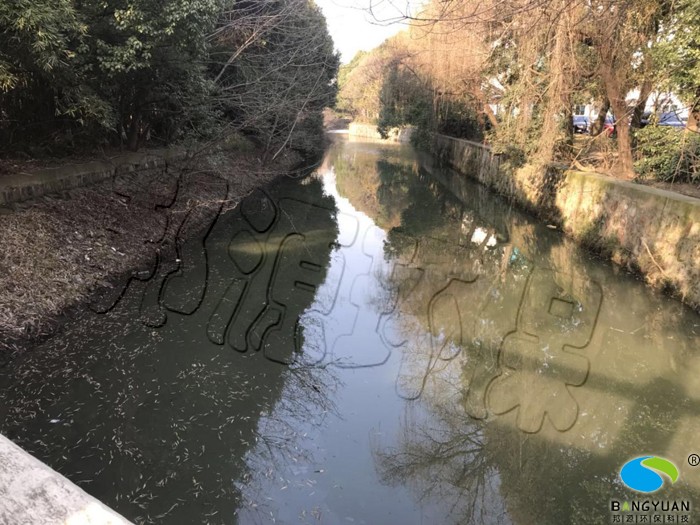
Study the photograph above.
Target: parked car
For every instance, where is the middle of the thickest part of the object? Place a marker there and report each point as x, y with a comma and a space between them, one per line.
609, 126
580, 124
666, 118
671, 118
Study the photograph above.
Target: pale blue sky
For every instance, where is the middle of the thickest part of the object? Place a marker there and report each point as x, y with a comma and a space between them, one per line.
352, 27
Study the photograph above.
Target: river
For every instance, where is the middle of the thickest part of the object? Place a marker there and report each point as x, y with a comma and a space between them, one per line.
379, 342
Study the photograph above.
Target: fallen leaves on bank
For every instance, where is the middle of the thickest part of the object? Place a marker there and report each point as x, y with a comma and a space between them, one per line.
54, 251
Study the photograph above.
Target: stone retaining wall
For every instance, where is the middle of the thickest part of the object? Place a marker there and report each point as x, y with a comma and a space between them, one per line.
652, 231
23, 186
358, 129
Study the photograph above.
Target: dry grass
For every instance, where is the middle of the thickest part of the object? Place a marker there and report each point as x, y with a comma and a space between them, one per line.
56, 250
597, 154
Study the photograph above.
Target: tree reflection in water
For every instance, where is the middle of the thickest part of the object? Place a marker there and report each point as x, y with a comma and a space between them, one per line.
466, 269
443, 457
166, 424
281, 439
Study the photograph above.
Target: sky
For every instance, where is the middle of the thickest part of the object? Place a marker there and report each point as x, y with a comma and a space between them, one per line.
353, 28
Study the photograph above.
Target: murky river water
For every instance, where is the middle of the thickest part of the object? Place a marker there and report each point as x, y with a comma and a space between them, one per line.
382, 342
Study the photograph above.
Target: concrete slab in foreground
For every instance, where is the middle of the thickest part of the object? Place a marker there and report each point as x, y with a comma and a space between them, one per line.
32, 493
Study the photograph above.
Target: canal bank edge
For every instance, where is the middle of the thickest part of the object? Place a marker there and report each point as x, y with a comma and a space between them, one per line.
401, 135
32, 492
61, 246
650, 231
23, 186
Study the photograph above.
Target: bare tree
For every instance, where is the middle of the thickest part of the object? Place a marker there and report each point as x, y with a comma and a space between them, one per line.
274, 68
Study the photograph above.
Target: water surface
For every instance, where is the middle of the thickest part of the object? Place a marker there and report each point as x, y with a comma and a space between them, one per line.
381, 342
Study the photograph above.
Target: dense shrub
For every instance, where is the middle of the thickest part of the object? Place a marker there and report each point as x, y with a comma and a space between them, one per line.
129, 73
667, 154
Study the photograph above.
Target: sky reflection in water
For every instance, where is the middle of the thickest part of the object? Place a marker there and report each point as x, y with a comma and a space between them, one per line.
383, 342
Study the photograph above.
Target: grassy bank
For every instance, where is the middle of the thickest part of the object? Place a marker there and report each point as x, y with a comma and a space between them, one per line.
58, 249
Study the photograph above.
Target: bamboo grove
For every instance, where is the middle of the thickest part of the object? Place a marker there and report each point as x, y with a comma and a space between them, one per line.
83, 74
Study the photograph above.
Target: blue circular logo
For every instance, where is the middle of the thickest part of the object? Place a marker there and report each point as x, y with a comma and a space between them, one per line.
643, 474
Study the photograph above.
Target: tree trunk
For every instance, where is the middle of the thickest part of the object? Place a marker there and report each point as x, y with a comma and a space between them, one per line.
638, 112
553, 133
524, 119
624, 138
616, 96
569, 126
694, 113
479, 95
144, 135
624, 147
491, 115
133, 136
598, 126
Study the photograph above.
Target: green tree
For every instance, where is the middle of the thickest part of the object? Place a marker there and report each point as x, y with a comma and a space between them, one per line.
148, 59
679, 51
42, 88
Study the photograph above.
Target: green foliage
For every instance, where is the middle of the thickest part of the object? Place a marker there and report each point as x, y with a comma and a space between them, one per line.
504, 143
514, 156
41, 81
457, 118
679, 49
39, 40
308, 136
404, 101
360, 84
131, 72
147, 59
667, 154
345, 75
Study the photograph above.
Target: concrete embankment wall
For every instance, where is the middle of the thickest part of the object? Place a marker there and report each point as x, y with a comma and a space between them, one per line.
23, 186
358, 129
652, 231
34, 493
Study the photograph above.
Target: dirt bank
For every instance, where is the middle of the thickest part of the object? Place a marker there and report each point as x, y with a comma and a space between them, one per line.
56, 250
